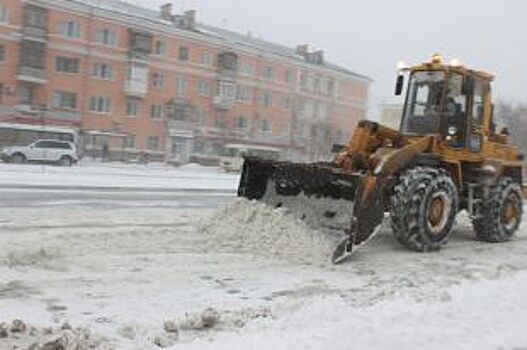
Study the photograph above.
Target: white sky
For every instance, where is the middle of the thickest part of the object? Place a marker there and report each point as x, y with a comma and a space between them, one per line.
369, 37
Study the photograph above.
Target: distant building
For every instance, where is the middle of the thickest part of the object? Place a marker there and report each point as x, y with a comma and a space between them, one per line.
151, 83
391, 114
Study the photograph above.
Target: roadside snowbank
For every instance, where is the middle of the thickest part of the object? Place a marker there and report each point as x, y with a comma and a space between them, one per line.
484, 315
19, 335
111, 175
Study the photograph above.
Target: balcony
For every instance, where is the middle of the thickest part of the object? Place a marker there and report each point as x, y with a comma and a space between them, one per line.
32, 62
34, 33
32, 75
35, 23
136, 84
180, 114
140, 45
227, 66
133, 88
224, 102
27, 109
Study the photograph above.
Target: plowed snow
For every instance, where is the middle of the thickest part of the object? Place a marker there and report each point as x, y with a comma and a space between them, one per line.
253, 227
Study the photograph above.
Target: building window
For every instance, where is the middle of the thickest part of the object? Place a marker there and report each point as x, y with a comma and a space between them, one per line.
181, 86
106, 37
27, 94
160, 48
317, 83
199, 117
266, 99
2, 53
156, 112
153, 143
220, 120
132, 108
303, 78
247, 68
35, 17
129, 141
184, 53
244, 93
101, 104
71, 29
64, 99
206, 59
204, 88
322, 110
199, 147
288, 102
265, 126
241, 123
227, 90
268, 73
331, 86
33, 54
4, 15
158, 80
289, 76
102, 71
67, 65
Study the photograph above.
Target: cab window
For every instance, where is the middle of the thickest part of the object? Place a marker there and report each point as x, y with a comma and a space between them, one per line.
455, 112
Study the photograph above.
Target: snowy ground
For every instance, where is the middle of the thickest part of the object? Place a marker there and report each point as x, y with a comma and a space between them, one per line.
123, 259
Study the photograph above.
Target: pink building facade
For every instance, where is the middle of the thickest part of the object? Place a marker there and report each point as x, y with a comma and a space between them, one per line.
144, 82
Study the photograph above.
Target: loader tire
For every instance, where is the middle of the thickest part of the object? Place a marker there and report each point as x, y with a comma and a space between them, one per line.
501, 212
424, 206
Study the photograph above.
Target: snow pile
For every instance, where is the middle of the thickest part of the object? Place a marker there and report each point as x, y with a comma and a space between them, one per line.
254, 227
33, 258
19, 335
211, 318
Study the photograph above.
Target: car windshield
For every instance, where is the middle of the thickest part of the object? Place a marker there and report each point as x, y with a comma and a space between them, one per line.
423, 107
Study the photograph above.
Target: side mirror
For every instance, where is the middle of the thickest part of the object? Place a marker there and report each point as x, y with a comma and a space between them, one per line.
468, 85
399, 85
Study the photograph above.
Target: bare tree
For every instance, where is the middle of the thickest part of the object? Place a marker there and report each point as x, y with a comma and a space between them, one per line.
515, 119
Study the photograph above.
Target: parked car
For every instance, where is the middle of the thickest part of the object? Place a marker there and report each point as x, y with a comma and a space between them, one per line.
43, 151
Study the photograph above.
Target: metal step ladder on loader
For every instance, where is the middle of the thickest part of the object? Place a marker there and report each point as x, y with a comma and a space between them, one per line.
446, 157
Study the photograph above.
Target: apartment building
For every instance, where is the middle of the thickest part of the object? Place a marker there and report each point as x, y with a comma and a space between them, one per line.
138, 81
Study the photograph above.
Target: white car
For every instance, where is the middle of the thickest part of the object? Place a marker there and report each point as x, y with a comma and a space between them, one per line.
45, 151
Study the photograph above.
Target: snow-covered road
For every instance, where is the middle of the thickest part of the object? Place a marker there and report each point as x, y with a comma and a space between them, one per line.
134, 269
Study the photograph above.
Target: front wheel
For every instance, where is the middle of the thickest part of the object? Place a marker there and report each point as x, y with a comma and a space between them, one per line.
501, 212
423, 209
66, 161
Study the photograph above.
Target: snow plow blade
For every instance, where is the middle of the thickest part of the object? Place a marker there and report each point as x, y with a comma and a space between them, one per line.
323, 196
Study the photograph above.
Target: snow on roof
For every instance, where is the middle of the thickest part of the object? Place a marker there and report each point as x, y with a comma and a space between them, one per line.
229, 36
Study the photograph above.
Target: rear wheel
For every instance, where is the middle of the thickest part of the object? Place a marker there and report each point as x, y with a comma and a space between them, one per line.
501, 212
18, 158
424, 206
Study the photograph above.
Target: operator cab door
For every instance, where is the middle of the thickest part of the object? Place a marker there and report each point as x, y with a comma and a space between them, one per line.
455, 112
479, 104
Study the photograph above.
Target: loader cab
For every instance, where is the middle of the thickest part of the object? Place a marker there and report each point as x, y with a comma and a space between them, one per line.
451, 102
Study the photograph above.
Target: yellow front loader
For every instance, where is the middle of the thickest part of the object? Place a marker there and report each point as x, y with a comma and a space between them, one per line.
446, 157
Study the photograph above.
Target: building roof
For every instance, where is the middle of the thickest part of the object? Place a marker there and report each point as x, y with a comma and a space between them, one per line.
221, 34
